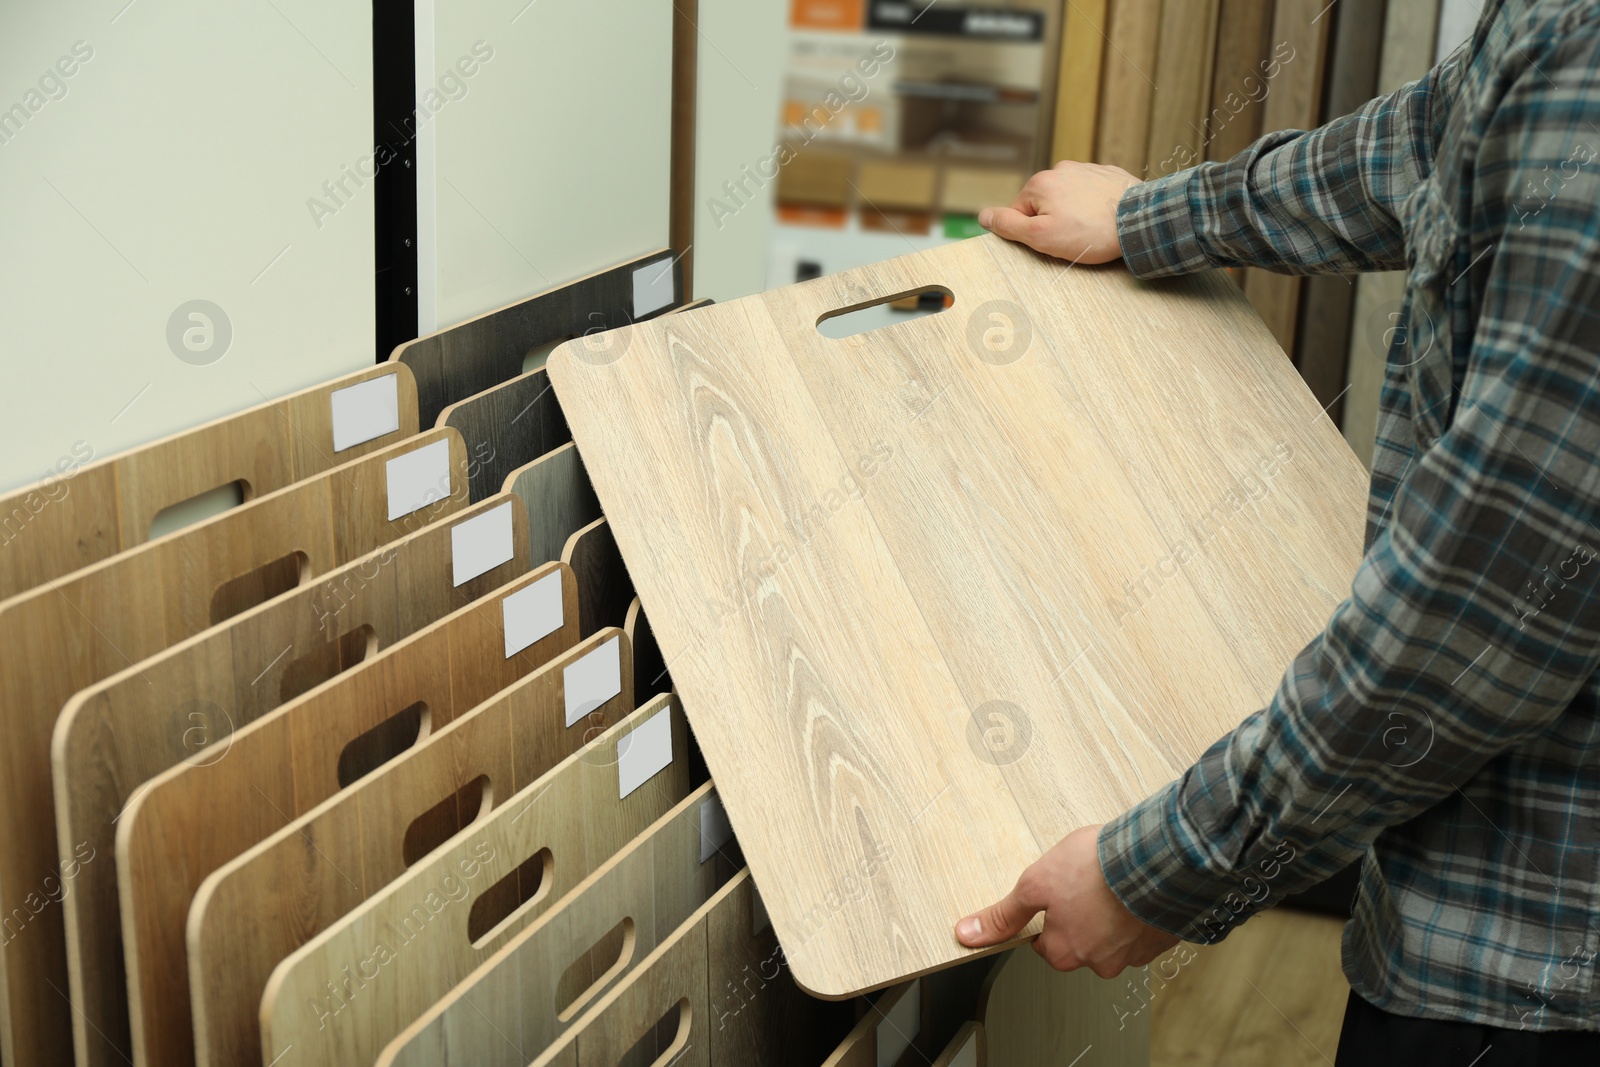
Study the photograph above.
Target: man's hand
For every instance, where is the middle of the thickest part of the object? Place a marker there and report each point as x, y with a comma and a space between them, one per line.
1069, 212
1085, 925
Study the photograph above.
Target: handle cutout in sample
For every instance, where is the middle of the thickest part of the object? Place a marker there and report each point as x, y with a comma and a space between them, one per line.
670, 1035
325, 661
418, 478
885, 311
365, 411
644, 753
200, 507
446, 819
532, 613
481, 544
592, 681
529, 882
238, 595
368, 751
900, 1027
580, 983
653, 288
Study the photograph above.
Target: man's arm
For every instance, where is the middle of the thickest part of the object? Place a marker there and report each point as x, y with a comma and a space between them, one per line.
1474, 614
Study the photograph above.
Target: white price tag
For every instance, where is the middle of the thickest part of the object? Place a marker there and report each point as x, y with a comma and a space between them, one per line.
365, 410
532, 613
418, 478
652, 288
644, 753
593, 680
480, 544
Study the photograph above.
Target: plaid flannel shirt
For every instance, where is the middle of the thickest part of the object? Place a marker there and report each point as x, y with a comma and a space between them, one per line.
1445, 726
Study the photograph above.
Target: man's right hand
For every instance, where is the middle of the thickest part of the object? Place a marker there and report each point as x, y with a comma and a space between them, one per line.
1069, 212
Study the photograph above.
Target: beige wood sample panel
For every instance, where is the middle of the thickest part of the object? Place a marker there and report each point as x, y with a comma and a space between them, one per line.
572, 820
95, 508
79, 629
523, 996
861, 556
260, 906
187, 821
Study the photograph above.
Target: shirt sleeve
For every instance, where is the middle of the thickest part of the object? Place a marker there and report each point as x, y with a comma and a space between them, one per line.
1474, 618
1297, 202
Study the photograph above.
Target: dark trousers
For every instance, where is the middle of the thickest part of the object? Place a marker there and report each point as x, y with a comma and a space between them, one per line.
1372, 1037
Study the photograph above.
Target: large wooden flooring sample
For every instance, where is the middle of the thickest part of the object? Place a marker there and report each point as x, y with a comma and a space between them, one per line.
189, 820
938, 594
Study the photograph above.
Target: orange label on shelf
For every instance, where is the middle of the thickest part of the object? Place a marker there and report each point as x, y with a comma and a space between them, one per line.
807, 215
827, 14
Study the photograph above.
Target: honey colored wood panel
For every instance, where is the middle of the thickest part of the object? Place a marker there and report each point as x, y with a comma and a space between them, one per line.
1295, 103
1271, 995
1184, 61
572, 819
89, 509
75, 631
604, 591
187, 821
469, 357
521, 998
560, 501
1032, 1014
1238, 86
1128, 84
259, 907
507, 427
1078, 76
811, 611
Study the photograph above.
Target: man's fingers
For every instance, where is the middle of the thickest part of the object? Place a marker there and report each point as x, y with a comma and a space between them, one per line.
998, 922
1008, 222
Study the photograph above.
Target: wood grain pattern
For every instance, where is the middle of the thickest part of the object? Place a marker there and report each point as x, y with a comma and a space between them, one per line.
519, 999
1178, 109
187, 821
1128, 85
604, 591
560, 501
1295, 103
89, 509
469, 357
507, 427
1031, 1014
814, 610
1238, 87
1077, 109
257, 908
573, 816
77, 630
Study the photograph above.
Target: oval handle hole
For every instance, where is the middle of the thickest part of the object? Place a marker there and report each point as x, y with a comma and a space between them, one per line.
586, 974
446, 819
670, 1034
885, 311
325, 661
370, 750
201, 506
257, 586
523, 887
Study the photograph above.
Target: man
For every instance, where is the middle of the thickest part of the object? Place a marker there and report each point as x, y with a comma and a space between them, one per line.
1472, 626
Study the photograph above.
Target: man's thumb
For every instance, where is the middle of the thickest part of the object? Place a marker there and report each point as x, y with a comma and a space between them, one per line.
1008, 222
996, 923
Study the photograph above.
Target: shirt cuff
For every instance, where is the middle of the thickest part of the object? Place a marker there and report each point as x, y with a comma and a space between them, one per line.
1155, 226
1162, 883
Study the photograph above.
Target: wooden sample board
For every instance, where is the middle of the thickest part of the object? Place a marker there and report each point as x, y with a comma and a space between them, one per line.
93, 508
900, 567
1082, 54
1182, 74
1128, 86
260, 906
187, 821
560, 501
471, 356
77, 630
